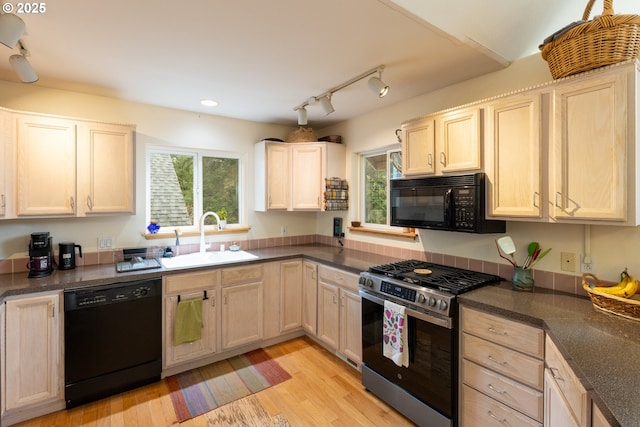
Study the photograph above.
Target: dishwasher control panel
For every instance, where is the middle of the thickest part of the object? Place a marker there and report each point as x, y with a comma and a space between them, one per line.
111, 294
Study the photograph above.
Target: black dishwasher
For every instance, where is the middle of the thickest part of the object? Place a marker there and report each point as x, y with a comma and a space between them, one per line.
113, 339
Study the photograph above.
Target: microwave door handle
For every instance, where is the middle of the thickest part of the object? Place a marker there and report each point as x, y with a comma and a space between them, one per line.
448, 208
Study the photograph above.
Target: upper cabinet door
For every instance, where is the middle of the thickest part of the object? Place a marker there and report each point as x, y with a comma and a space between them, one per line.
418, 147
278, 168
513, 157
459, 140
46, 166
307, 176
106, 169
588, 155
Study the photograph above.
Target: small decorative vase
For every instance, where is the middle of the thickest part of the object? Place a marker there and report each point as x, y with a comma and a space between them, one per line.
223, 224
522, 279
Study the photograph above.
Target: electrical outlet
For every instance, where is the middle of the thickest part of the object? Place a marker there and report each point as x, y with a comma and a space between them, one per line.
568, 261
283, 230
587, 267
105, 243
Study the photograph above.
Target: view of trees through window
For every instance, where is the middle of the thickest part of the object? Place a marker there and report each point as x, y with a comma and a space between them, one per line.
173, 183
378, 170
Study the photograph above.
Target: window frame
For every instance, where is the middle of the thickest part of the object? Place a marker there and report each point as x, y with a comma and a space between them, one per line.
197, 154
387, 150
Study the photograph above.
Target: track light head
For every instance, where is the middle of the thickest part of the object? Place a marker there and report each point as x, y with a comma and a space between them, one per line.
378, 87
325, 103
23, 68
302, 116
11, 29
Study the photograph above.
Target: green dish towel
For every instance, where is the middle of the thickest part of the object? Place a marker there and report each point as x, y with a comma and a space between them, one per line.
188, 323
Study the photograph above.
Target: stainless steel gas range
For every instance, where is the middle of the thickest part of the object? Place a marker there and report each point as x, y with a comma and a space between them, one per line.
425, 390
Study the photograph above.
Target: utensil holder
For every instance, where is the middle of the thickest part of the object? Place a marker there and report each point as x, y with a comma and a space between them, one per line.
522, 279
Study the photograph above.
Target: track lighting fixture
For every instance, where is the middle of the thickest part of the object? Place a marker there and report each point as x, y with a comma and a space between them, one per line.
325, 103
375, 83
11, 29
22, 67
302, 116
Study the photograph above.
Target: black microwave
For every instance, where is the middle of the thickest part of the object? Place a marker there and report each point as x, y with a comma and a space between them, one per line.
452, 203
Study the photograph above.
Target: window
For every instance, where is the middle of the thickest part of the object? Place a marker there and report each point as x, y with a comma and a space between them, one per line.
377, 169
182, 185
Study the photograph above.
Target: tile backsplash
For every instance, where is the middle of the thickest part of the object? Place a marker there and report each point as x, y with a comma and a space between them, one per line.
543, 279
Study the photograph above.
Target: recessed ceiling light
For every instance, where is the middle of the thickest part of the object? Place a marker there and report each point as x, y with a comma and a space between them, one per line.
209, 103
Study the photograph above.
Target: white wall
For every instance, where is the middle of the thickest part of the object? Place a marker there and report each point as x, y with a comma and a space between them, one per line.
614, 248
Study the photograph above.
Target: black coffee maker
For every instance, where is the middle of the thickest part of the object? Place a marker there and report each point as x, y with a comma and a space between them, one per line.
40, 255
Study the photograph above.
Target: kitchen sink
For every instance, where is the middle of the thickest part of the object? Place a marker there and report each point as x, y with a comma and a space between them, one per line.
208, 258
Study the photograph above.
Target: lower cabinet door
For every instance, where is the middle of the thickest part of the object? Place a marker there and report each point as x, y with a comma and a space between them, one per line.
242, 314
177, 354
32, 352
556, 408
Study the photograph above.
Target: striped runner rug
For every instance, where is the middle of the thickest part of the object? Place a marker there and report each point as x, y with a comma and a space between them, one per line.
201, 390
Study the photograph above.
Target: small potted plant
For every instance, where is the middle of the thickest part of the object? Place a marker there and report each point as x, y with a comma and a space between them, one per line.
222, 214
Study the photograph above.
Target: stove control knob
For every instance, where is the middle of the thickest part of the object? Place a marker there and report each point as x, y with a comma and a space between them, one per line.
361, 280
370, 283
442, 305
421, 299
432, 301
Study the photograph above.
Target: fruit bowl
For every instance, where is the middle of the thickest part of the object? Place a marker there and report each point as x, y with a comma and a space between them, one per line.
624, 307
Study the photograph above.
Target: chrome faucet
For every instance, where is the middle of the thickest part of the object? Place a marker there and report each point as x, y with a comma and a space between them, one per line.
203, 247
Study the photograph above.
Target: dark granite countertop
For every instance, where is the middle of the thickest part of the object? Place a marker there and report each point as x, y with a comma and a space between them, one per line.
19, 284
602, 349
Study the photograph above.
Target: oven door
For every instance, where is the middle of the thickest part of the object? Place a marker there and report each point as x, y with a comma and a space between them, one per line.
431, 374
415, 205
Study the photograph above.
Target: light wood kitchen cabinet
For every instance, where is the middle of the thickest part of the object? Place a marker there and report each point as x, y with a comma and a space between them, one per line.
513, 157
339, 312
308, 166
105, 168
291, 176
310, 297
502, 369
589, 148
72, 168
567, 397
7, 162
597, 417
32, 375
242, 305
290, 295
183, 287
271, 176
557, 412
443, 143
46, 166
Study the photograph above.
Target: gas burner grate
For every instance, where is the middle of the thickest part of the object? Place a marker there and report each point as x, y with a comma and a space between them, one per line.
444, 278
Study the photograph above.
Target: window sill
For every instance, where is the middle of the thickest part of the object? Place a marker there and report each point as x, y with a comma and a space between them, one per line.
400, 234
228, 230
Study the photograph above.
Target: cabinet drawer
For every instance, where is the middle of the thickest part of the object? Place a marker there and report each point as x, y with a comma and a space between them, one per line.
517, 366
573, 391
480, 410
246, 274
524, 338
526, 400
338, 277
190, 281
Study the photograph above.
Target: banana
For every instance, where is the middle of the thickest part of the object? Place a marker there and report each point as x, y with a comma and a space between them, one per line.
627, 287
617, 288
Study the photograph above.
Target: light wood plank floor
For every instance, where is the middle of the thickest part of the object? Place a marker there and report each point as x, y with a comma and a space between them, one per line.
323, 391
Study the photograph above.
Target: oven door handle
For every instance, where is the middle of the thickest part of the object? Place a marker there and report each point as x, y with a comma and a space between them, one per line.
444, 322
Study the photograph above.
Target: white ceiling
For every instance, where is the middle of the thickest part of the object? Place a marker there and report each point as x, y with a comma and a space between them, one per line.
261, 58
